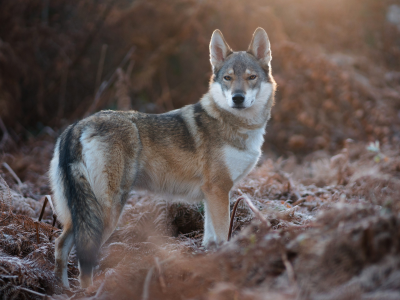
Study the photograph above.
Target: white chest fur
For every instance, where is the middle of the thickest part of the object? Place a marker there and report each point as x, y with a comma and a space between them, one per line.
241, 162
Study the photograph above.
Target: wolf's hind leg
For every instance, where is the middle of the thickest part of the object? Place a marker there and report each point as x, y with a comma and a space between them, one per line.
63, 247
89, 249
88, 227
86, 272
87, 257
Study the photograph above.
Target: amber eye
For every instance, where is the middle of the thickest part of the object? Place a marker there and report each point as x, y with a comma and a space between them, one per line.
228, 78
252, 77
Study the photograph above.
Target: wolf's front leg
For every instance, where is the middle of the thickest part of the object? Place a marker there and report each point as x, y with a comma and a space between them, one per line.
216, 223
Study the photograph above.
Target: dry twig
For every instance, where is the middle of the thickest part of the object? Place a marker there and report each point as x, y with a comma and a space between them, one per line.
100, 67
63, 89
146, 285
6, 135
160, 275
105, 84
46, 199
5, 165
233, 217
252, 207
289, 268
9, 197
32, 292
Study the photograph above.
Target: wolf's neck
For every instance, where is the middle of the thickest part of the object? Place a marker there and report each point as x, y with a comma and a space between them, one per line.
242, 120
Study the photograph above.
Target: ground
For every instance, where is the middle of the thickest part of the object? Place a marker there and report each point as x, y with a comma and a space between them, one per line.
331, 233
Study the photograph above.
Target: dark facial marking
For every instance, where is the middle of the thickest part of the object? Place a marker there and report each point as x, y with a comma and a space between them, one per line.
240, 62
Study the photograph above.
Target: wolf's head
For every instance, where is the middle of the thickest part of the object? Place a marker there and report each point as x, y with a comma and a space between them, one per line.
241, 80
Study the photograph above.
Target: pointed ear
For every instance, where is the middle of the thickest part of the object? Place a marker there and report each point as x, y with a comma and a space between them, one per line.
219, 49
260, 46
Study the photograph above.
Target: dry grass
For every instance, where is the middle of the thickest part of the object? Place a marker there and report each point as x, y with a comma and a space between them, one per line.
327, 240
333, 205
335, 63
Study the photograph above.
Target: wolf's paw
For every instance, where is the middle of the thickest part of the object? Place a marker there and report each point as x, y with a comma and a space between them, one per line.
209, 245
62, 277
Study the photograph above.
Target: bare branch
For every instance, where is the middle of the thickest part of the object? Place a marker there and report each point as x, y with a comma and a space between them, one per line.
146, 286
160, 275
105, 84
289, 268
5, 165
254, 209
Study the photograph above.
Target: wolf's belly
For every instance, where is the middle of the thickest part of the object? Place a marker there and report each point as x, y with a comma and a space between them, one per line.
177, 189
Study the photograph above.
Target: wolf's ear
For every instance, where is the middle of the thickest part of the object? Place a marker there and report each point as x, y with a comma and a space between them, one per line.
219, 49
260, 47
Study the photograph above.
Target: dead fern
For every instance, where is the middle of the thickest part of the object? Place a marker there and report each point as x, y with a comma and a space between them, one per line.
5, 196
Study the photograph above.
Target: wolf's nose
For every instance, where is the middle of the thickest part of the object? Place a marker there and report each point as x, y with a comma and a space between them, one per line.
238, 98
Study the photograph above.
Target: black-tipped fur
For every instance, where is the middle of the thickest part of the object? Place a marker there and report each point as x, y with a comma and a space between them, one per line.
85, 210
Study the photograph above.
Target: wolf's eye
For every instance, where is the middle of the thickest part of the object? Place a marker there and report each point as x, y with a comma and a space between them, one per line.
228, 78
252, 77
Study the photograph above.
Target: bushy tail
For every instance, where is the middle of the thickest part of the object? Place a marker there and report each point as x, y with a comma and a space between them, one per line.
86, 211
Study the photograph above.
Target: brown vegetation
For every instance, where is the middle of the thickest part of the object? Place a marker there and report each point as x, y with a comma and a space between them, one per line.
326, 240
335, 63
333, 206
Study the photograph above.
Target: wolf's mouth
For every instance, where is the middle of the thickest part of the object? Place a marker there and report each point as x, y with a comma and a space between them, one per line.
239, 107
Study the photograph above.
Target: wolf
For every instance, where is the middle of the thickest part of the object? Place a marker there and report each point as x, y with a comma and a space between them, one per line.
196, 153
